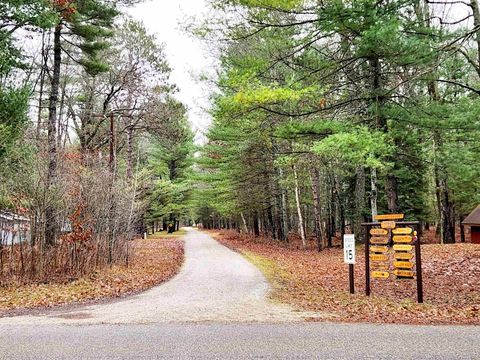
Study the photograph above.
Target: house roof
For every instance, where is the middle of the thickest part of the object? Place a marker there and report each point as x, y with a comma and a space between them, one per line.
473, 218
8, 216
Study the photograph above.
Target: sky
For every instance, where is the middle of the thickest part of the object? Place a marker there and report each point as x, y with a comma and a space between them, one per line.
188, 57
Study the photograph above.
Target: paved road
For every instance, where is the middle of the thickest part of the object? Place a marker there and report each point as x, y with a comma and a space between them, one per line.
239, 341
217, 308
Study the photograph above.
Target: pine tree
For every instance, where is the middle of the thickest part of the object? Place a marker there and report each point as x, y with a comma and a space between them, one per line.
86, 25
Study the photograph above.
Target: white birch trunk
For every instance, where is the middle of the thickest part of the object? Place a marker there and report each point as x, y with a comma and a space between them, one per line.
245, 227
299, 209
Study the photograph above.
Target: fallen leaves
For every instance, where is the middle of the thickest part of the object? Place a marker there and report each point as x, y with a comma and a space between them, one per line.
154, 261
319, 282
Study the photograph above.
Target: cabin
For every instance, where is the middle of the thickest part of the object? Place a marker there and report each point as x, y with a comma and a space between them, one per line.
473, 220
14, 228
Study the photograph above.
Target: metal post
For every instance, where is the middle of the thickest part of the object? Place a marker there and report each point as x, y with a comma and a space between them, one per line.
418, 263
351, 276
367, 262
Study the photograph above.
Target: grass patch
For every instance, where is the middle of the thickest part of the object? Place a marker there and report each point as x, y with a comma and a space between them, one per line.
274, 273
166, 235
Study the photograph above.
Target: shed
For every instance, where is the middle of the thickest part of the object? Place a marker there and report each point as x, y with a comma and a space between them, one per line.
14, 228
473, 220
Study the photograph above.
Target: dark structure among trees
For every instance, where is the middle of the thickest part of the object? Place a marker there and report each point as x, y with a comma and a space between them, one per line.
473, 220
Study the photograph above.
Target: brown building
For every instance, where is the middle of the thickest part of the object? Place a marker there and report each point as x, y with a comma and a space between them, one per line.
473, 220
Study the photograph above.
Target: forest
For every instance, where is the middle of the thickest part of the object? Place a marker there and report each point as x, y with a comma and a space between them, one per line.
95, 149
330, 112
324, 114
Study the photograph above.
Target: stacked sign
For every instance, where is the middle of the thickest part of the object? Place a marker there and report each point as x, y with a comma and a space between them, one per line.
403, 238
381, 238
379, 253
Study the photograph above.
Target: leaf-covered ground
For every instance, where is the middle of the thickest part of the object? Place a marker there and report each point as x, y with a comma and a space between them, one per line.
154, 261
319, 281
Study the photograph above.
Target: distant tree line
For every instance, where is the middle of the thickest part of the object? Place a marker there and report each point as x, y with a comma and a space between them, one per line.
329, 112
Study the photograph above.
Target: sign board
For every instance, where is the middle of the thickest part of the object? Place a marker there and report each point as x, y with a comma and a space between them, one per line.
385, 231
379, 249
349, 248
378, 257
378, 232
403, 256
402, 231
379, 240
403, 265
402, 247
380, 274
405, 239
379, 266
403, 273
388, 225
389, 217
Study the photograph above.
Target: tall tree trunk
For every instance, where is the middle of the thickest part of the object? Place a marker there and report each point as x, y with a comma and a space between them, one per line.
245, 227
61, 128
299, 209
43, 71
330, 211
50, 213
462, 229
373, 193
317, 206
277, 199
391, 186
256, 226
476, 25
271, 222
391, 189
129, 152
444, 204
359, 200
340, 208
284, 208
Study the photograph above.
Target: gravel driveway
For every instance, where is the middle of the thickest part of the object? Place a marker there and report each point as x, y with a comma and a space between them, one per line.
214, 285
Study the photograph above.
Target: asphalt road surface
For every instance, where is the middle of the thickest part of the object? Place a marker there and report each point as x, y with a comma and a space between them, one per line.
217, 308
239, 341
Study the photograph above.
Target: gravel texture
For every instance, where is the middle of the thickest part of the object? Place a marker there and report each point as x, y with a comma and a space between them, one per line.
214, 285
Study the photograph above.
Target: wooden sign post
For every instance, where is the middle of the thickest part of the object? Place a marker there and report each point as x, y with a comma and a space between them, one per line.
402, 237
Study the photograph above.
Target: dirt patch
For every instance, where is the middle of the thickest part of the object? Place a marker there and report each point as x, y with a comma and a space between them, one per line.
319, 282
154, 261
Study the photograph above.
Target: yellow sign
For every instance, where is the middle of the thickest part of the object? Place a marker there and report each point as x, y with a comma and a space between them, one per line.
388, 225
402, 247
402, 231
389, 217
379, 240
379, 249
403, 256
379, 266
403, 264
403, 273
378, 257
378, 232
380, 274
406, 239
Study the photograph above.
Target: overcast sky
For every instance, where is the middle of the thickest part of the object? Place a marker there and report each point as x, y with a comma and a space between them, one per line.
187, 56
